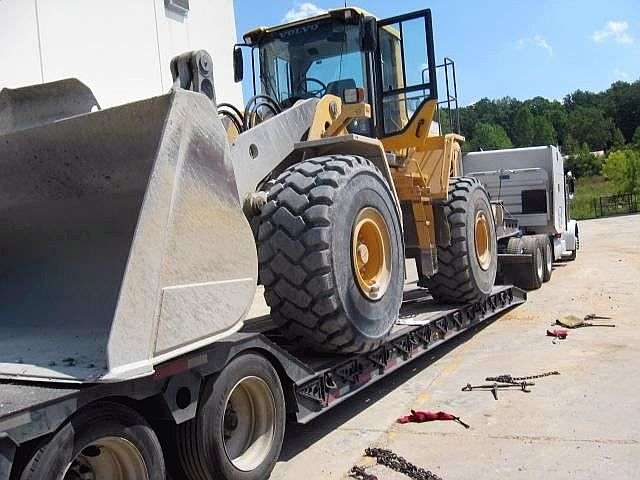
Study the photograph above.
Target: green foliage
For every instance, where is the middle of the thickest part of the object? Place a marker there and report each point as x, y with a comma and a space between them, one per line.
489, 136
604, 120
543, 132
635, 140
623, 169
618, 141
588, 191
523, 128
570, 145
583, 163
589, 125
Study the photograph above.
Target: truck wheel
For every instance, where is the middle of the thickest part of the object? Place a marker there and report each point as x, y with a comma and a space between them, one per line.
105, 441
574, 252
547, 255
238, 431
467, 266
331, 254
530, 275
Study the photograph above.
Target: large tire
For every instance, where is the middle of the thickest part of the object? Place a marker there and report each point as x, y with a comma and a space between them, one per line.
105, 428
465, 274
238, 431
305, 245
547, 255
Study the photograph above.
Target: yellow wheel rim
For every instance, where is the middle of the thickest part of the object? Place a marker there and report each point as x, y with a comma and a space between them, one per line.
371, 253
481, 235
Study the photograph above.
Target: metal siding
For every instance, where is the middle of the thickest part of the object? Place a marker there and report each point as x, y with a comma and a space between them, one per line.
121, 49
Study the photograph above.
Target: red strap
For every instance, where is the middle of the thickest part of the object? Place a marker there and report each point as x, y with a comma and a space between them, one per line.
419, 417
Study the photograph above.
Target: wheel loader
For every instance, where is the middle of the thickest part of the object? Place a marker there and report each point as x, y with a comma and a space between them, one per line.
134, 234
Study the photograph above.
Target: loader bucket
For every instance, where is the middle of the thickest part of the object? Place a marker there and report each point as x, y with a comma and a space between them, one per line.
122, 238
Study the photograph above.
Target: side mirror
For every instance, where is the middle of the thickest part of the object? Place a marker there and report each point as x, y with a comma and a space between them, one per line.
571, 184
369, 34
238, 65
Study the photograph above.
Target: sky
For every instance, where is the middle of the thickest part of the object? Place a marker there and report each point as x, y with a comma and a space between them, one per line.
517, 48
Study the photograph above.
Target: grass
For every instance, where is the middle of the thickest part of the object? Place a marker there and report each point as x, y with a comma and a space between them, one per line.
588, 189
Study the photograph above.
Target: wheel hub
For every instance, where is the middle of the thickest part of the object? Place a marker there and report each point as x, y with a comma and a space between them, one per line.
249, 423
371, 253
109, 458
482, 241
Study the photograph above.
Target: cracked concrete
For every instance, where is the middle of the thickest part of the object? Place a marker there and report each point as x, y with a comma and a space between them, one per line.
584, 423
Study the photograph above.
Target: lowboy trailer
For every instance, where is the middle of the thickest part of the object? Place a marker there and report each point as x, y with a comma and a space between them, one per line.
34, 416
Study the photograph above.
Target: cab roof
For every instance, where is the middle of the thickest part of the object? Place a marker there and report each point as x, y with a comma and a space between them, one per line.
254, 35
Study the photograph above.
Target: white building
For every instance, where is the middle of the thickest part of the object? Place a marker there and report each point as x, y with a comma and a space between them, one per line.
121, 49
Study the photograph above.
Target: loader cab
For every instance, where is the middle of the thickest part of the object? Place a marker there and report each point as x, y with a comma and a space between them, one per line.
391, 61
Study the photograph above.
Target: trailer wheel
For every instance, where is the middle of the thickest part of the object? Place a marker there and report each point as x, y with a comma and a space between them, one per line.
238, 431
106, 441
331, 254
529, 275
467, 266
547, 254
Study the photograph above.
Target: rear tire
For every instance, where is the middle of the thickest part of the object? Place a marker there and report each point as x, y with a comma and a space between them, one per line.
106, 441
309, 246
529, 275
467, 266
238, 431
547, 254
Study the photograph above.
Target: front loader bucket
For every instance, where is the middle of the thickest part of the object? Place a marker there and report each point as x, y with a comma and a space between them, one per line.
122, 239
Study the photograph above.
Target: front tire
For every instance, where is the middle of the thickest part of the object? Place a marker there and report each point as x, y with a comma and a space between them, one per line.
106, 441
467, 266
238, 431
331, 254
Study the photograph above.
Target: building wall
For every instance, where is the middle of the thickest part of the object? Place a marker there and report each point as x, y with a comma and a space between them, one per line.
120, 48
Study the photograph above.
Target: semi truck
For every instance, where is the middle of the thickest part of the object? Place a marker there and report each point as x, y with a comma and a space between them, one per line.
134, 239
532, 186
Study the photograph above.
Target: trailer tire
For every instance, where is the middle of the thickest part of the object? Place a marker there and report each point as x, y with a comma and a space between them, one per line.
104, 428
329, 287
547, 255
466, 267
530, 275
245, 400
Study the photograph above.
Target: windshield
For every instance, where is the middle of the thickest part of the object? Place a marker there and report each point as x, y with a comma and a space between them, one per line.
312, 60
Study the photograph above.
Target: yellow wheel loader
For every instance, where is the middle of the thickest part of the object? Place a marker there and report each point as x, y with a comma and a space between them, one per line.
348, 174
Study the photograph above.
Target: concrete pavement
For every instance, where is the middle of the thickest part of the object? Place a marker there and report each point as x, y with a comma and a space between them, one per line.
583, 424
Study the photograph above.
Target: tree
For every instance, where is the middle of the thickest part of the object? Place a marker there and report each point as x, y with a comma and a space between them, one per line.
635, 140
589, 125
623, 169
618, 141
523, 128
583, 163
543, 132
570, 145
489, 136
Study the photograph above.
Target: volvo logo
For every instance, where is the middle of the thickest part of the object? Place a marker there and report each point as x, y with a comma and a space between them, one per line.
293, 32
